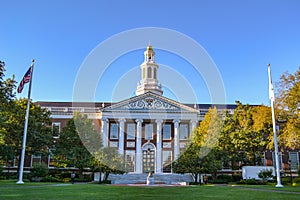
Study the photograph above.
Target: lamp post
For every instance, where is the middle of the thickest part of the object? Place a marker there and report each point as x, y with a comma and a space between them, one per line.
199, 161
291, 176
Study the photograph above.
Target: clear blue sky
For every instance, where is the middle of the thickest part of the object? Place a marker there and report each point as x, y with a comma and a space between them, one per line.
241, 37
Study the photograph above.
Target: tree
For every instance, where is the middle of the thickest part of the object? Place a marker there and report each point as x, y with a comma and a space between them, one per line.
39, 135
288, 104
74, 143
107, 161
7, 97
200, 156
12, 115
246, 134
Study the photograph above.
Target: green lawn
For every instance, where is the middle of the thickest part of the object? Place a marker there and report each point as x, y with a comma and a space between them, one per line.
32, 191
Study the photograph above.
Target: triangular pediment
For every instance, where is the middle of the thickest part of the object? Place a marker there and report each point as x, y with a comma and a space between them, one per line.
149, 102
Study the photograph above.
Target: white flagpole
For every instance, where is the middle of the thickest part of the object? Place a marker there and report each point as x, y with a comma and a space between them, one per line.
272, 101
20, 181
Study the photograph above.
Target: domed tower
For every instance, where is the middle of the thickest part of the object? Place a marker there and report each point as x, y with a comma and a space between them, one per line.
149, 70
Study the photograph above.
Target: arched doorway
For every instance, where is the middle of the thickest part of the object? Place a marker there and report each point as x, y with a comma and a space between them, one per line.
148, 157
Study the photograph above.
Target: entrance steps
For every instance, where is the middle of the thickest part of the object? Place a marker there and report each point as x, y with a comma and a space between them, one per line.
158, 178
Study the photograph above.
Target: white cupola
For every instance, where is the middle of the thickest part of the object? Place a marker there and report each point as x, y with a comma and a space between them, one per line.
149, 70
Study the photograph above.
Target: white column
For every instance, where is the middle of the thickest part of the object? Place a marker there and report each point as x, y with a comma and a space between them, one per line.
104, 132
121, 136
138, 157
176, 138
158, 146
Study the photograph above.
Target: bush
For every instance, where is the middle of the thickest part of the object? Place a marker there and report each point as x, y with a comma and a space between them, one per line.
251, 182
50, 179
296, 180
39, 170
1, 169
286, 181
265, 174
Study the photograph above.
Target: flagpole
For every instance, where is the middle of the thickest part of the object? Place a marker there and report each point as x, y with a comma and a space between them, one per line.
272, 101
20, 181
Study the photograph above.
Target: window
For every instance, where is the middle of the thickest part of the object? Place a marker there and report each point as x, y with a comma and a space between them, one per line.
294, 161
183, 132
154, 73
114, 131
131, 131
167, 161
36, 159
167, 131
130, 161
280, 159
55, 129
149, 72
149, 131
51, 160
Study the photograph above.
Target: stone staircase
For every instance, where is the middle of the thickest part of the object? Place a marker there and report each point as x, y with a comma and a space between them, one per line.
177, 179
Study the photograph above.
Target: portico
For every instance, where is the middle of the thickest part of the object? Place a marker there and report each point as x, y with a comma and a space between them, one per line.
149, 130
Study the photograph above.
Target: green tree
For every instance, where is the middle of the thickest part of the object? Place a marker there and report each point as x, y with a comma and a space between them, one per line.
74, 143
201, 155
288, 104
7, 97
246, 134
39, 135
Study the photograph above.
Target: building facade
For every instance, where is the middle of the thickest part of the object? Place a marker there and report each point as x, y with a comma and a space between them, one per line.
149, 130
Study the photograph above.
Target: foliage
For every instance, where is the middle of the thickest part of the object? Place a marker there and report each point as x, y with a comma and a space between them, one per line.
74, 143
265, 174
109, 161
288, 107
12, 115
251, 182
50, 179
39, 170
245, 134
201, 155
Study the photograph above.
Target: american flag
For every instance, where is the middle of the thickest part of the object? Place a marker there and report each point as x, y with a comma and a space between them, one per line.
26, 79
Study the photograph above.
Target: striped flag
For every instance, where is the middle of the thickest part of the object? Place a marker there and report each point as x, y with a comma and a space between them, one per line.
26, 79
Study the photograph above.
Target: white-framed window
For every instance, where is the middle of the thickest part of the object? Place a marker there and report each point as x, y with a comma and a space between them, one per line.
167, 131
130, 160
130, 131
149, 131
280, 159
51, 160
183, 131
149, 72
55, 129
36, 159
114, 131
294, 160
167, 161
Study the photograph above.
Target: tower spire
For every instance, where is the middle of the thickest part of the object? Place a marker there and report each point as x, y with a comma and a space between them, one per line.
149, 70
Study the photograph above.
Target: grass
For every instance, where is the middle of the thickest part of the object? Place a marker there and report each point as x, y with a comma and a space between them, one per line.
43, 191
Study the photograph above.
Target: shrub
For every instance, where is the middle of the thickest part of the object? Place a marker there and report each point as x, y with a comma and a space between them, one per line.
296, 180
251, 182
50, 179
265, 174
286, 180
39, 170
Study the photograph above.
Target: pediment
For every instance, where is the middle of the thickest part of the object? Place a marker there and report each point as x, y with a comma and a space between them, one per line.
149, 102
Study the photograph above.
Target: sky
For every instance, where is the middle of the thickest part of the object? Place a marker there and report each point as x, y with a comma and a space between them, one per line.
240, 37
